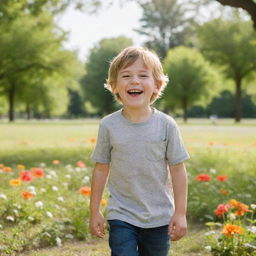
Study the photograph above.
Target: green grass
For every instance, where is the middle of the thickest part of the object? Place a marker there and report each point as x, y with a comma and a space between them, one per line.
228, 148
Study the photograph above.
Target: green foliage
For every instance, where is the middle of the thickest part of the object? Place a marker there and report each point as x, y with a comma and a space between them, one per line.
189, 76
164, 24
97, 73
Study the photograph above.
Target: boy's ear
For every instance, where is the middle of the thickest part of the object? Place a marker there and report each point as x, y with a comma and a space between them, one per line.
158, 85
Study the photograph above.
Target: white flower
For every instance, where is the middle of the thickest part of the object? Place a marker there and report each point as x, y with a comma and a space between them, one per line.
39, 204
3, 196
250, 246
18, 206
30, 218
1, 227
42, 165
48, 176
60, 198
212, 232
16, 212
78, 169
65, 184
68, 176
11, 218
49, 214
213, 171
232, 216
68, 166
53, 173
253, 206
69, 236
86, 179
252, 229
54, 188
31, 188
208, 248
58, 241
43, 190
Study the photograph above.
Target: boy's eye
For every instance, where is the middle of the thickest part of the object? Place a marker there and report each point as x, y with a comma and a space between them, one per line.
124, 76
143, 75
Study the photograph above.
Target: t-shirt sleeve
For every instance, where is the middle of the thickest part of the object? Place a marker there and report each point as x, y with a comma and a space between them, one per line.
176, 151
101, 153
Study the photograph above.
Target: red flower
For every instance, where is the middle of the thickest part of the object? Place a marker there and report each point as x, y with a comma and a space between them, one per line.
222, 209
222, 178
203, 177
38, 172
26, 176
81, 164
86, 191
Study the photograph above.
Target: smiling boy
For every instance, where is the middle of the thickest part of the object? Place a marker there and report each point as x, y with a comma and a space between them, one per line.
137, 148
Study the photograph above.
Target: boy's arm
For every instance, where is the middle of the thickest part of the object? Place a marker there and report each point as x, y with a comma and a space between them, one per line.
178, 223
99, 180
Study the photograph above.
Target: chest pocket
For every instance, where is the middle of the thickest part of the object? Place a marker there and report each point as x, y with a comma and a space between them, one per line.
155, 151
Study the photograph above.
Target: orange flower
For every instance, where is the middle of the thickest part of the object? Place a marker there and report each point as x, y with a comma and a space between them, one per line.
103, 202
224, 192
7, 169
203, 177
26, 176
55, 162
240, 207
1, 166
27, 194
92, 140
38, 172
21, 166
222, 209
81, 164
86, 191
230, 230
15, 182
222, 178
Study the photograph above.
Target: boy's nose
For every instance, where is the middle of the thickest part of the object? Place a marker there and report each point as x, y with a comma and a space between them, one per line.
135, 80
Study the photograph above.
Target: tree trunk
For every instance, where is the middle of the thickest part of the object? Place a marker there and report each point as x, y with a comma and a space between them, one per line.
28, 111
238, 99
11, 102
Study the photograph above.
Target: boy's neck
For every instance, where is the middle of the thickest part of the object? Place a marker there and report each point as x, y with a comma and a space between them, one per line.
135, 115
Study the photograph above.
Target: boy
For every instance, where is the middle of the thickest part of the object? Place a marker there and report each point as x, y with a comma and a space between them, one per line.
137, 147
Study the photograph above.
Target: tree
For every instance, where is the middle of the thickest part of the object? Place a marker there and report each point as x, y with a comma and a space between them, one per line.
30, 53
230, 44
189, 76
164, 24
97, 73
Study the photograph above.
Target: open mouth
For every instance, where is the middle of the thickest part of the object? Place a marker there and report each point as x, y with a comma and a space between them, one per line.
135, 92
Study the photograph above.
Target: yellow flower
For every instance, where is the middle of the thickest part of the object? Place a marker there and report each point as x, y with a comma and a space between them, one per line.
21, 166
15, 182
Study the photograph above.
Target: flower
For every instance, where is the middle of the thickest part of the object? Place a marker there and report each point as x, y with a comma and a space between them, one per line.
230, 229
49, 214
3, 196
7, 169
39, 204
54, 188
224, 192
92, 140
222, 177
86, 179
252, 229
58, 241
15, 182
240, 207
56, 162
81, 164
61, 199
30, 218
253, 206
38, 172
10, 218
27, 194
202, 177
26, 176
222, 209
103, 202
86, 191
21, 166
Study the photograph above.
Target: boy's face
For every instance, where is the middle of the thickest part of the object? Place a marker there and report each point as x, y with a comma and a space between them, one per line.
135, 85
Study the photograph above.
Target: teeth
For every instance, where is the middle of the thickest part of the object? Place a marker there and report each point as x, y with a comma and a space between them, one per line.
134, 91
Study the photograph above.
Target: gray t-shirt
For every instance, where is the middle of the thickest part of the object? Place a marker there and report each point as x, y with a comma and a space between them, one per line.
139, 154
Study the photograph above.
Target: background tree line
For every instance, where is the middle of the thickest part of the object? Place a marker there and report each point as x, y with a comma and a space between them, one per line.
211, 63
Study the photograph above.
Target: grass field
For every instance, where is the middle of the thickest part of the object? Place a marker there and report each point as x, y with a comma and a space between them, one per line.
224, 148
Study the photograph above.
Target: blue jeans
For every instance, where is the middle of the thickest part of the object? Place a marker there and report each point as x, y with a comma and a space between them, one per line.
128, 240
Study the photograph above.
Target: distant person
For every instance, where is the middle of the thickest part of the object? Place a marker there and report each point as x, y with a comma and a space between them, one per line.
214, 118
137, 147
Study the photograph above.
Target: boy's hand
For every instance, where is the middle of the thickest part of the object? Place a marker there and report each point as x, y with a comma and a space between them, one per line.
97, 225
177, 227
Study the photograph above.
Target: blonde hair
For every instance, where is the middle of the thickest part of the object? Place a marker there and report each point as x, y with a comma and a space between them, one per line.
126, 58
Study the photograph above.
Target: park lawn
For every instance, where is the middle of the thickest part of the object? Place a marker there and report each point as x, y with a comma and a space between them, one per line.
215, 149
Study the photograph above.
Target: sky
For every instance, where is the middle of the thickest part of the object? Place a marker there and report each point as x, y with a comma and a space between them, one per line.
86, 30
